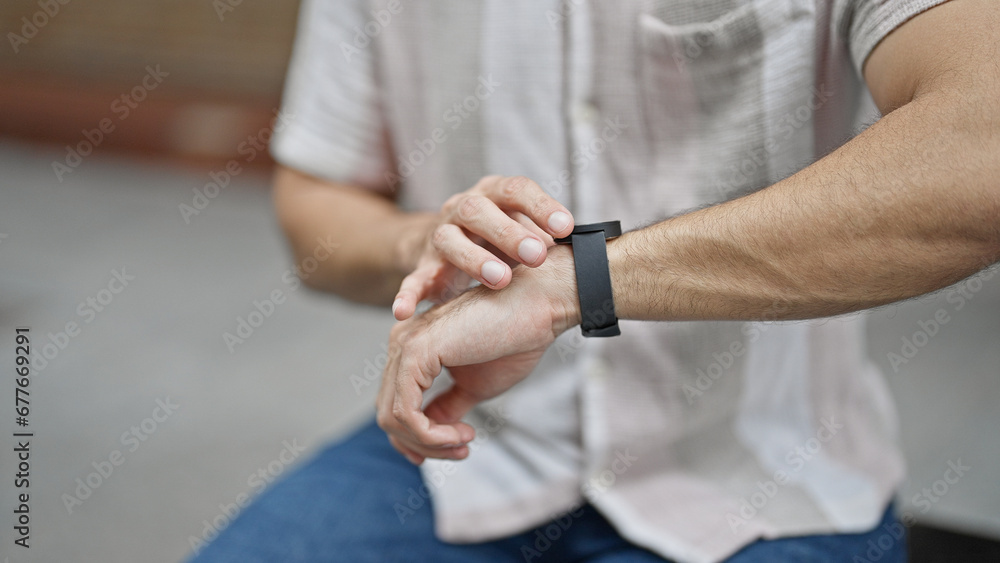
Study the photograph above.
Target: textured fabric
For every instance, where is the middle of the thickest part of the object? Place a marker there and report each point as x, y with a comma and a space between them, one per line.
360, 501
694, 439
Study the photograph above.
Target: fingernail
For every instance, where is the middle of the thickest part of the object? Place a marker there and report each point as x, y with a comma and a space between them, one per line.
493, 272
558, 221
529, 250
396, 304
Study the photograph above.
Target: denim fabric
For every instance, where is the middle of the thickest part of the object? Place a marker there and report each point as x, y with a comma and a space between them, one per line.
359, 501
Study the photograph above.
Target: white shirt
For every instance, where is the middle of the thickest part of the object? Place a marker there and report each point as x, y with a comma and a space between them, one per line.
694, 438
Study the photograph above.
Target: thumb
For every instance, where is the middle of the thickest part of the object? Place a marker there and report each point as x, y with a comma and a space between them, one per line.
450, 406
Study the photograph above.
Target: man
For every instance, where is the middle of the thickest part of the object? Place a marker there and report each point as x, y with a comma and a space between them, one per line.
727, 437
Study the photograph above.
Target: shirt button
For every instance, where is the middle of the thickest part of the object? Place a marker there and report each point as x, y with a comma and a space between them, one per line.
597, 370
584, 113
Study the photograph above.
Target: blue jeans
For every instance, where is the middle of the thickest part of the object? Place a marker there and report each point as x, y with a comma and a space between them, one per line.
360, 501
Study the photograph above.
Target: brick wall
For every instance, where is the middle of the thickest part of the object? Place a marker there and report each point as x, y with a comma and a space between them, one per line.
61, 70
242, 54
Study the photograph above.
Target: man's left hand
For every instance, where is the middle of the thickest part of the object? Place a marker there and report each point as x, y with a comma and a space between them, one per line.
489, 340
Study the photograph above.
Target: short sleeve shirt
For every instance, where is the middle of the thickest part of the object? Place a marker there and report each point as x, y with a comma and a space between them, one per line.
694, 439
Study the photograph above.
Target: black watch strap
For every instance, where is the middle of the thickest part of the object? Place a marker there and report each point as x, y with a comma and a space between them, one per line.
593, 277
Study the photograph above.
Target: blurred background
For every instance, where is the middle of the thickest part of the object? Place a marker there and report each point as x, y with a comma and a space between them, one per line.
150, 425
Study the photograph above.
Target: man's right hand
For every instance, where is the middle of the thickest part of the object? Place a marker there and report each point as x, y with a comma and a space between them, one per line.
479, 232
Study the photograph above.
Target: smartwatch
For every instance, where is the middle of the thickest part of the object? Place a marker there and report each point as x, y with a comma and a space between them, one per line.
593, 277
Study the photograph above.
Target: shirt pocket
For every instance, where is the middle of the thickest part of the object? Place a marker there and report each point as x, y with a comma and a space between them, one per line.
705, 83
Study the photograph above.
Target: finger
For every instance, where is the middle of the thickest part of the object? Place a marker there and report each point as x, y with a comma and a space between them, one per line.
413, 451
450, 406
387, 389
522, 194
414, 288
482, 217
479, 263
406, 410
531, 226
401, 438
410, 455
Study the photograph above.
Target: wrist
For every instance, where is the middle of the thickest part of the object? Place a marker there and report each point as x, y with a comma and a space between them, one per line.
617, 260
557, 278
595, 293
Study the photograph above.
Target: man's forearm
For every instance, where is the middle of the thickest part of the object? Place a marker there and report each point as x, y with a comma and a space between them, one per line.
908, 207
373, 240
